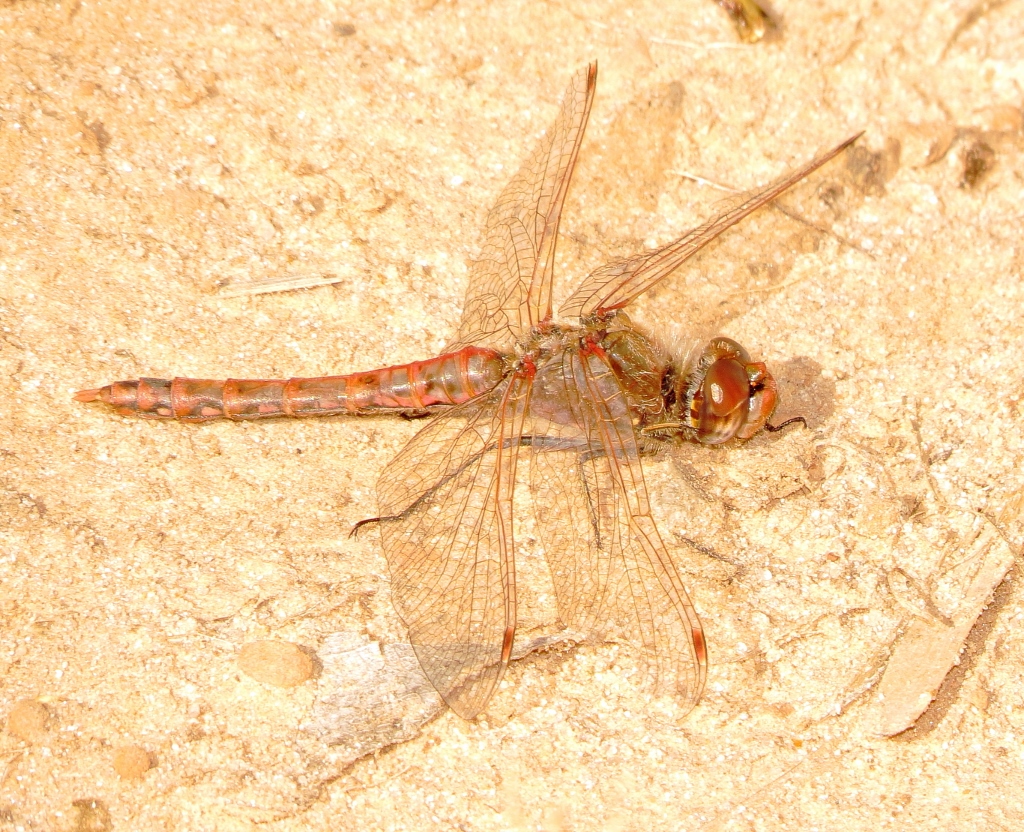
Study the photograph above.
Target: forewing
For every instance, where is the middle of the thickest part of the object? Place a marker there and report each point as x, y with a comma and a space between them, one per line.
617, 284
510, 285
446, 523
609, 566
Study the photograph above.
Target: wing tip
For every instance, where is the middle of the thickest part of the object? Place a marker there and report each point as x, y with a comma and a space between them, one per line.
843, 145
588, 72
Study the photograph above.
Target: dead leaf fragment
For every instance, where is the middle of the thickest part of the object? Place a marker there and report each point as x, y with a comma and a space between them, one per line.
979, 159
378, 695
872, 169
928, 648
91, 139
926, 143
93, 816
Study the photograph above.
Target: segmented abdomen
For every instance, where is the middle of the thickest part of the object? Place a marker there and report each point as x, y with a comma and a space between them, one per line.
452, 378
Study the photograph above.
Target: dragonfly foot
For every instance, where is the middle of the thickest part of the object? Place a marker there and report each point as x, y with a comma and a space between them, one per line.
354, 531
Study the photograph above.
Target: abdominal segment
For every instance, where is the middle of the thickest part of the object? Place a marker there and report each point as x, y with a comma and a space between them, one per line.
448, 379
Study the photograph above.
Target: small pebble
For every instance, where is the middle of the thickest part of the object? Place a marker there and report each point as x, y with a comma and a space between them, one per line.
131, 762
86, 89
278, 663
27, 720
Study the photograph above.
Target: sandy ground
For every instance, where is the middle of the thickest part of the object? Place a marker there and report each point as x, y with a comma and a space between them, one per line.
155, 157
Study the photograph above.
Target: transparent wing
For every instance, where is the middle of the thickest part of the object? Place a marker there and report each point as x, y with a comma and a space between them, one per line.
510, 285
617, 284
609, 566
566, 494
446, 524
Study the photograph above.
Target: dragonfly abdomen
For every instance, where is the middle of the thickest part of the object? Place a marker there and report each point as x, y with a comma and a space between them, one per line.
448, 379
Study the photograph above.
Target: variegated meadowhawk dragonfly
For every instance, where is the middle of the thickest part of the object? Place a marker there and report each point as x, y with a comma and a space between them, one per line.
578, 402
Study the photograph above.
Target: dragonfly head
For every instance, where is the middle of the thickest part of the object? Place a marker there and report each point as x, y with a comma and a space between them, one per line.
728, 395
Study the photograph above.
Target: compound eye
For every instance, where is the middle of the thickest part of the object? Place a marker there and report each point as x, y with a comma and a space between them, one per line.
724, 400
726, 387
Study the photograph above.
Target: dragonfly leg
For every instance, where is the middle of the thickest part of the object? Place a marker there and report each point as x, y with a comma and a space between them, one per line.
410, 415
550, 442
776, 428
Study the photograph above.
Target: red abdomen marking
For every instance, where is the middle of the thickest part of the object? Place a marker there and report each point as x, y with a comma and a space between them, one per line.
452, 378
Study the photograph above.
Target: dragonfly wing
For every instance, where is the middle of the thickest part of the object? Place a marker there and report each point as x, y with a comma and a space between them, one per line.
510, 285
565, 488
618, 283
608, 563
446, 524
566, 499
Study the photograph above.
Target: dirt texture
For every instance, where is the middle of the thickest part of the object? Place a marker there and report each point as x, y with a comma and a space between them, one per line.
172, 173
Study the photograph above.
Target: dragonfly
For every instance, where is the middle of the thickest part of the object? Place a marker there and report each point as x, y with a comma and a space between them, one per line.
559, 409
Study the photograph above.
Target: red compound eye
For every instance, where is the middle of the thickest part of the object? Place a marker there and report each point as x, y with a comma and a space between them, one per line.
726, 387
724, 399
734, 398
